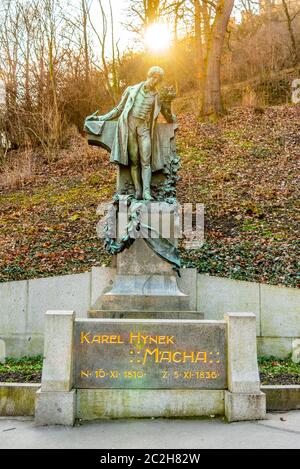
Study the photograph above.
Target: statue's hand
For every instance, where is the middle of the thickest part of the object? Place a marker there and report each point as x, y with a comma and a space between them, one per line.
93, 117
105, 117
171, 118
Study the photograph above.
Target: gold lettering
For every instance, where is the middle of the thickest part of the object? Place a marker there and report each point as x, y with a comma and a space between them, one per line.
201, 357
96, 338
133, 337
149, 352
174, 357
138, 338
100, 339
114, 339
167, 356
84, 337
170, 339
179, 360
187, 357
152, 340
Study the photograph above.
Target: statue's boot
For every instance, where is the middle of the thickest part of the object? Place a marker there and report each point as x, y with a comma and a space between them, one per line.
136, 178
146, 176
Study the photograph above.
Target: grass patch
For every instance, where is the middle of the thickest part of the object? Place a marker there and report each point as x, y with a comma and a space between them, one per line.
246, 260
29, 370
275, 370
22, 370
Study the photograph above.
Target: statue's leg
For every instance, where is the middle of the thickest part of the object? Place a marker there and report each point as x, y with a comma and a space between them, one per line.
133, 152
144, 141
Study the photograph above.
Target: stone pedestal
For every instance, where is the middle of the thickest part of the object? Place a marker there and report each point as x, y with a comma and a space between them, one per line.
149, 368
133, 314
2, 351
144, 283
93, 404
243, 400
56, 401
243, 406
55, 408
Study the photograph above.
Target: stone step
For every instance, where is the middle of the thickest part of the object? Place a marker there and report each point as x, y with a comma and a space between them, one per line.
119, 314
116, 302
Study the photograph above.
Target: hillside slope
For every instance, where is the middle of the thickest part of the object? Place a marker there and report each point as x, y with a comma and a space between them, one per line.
245, 169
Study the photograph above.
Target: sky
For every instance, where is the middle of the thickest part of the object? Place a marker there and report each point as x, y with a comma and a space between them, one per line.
125, 37
119, 14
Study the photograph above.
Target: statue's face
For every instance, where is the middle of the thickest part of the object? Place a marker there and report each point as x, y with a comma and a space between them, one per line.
154, 81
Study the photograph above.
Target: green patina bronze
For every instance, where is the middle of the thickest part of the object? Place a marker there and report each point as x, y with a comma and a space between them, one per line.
145, 153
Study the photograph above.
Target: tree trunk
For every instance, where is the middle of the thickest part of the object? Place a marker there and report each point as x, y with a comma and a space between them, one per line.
85, 41
151, 8
212, 106
289, 20
115, 80
199, 44
176, 43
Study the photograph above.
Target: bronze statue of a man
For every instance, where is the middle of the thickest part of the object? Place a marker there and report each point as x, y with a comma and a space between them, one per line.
136, 143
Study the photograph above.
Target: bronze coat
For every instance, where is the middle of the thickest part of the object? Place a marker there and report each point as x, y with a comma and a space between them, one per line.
119, 151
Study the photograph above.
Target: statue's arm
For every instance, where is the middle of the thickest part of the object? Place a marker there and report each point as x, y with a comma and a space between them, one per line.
114, 113
166, 111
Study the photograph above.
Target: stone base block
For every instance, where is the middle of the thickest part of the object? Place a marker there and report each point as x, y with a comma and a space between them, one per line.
2, 351
282, 398
95, 404
17, 399
144, 302
55, 408
240, 407
105, 314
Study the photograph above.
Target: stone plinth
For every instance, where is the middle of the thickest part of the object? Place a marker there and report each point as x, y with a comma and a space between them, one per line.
149, 368
55, 401
17, 399
2, 351
55, 408
57, 367
146, 403
244, 406
144, 283
243, 400
119, 314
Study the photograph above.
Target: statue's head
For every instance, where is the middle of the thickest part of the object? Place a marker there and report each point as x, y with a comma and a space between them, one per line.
155, 76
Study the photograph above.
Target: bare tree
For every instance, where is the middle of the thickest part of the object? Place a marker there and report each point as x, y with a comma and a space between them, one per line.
115, 80
290, 16
84, 9
142, 13
212, 105
151, 8
102, 37
9, 40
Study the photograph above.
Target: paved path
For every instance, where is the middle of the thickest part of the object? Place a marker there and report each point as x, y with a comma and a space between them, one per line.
280, 430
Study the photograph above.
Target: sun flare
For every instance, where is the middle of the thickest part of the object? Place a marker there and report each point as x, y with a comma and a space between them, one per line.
158, 37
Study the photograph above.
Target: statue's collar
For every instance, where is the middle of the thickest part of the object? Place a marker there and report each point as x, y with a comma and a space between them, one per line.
141, 86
